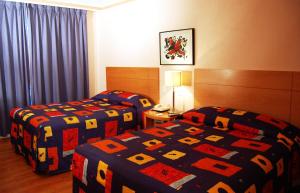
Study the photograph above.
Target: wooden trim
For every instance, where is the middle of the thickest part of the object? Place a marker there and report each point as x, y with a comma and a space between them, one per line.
295, 108
296, 81
139, 80
245, 78
271, 92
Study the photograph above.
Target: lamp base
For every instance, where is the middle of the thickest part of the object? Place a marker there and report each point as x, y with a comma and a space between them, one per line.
173, 112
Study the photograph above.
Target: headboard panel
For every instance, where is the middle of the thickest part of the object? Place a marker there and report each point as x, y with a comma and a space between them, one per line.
139, 80
276, 93
295, 107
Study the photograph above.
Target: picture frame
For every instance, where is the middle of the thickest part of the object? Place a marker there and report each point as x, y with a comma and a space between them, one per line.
177, 47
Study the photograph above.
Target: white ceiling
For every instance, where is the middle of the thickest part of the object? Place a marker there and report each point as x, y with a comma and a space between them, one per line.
92, 3
81, 4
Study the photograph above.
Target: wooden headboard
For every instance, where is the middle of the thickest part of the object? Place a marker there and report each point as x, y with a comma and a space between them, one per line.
144, 81
276, 93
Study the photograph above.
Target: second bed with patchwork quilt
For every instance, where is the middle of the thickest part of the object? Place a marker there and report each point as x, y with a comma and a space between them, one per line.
48, 134
209, 150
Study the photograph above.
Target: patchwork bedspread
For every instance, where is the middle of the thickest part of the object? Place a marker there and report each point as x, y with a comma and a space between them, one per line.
184, 156
48, 134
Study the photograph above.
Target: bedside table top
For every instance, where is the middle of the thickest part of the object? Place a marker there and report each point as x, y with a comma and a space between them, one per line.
164, 116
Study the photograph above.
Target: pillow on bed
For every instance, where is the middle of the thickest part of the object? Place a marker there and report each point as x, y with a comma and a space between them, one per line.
206, 115
245, 121
125, 98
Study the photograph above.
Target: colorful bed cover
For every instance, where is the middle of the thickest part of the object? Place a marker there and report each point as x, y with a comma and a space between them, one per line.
48, 134
185, 156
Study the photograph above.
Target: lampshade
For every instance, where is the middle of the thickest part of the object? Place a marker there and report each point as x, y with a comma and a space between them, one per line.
173, 78
186, 78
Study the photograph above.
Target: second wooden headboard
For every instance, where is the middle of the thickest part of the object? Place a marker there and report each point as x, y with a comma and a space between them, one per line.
276, 93
139, 80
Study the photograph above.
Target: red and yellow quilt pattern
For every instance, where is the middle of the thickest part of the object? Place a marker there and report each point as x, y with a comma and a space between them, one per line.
190, 156
47, 134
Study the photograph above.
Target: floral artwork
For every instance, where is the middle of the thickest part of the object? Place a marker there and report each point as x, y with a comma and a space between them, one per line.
176, 47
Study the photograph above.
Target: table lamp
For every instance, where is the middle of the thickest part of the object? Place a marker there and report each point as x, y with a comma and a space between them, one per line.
173, 78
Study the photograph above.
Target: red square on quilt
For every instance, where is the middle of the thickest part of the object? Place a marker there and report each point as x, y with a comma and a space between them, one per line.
242, 134
127, 95
37, 121
93, 108
212, 150
191, 122
246, 128
70, 139
78, 163
126, 137
53, 155
54, 114
275, 122
216, 166
118, 107
109, 146
249, 144
167, 174
38, 107
111, 128
83, 113
195, 116
13, 111
27, 139
75, 103
158, 132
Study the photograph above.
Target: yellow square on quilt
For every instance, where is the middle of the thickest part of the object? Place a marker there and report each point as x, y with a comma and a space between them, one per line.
239, 112
42, 154
152, 142
220, 186
104, 104
50, 110
214, 138
34, 143
70, 109
263, 163
189, 140
91, 124
251, 189
140, 159
48, 132
222, 122
112, 113
125, 189
127, 116
71, 120
101, 173
145, 102
27, 116
174, 155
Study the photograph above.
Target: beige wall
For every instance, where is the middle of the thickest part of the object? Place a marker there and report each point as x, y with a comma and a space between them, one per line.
248, 34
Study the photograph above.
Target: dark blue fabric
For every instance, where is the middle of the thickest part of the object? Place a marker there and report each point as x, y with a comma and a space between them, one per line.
43, 56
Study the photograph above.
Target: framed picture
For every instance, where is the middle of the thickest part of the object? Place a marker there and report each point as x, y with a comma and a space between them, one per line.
177, 47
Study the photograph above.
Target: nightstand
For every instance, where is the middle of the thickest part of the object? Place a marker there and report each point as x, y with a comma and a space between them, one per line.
151, 118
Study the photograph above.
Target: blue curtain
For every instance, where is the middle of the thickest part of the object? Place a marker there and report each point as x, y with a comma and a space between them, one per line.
43, 56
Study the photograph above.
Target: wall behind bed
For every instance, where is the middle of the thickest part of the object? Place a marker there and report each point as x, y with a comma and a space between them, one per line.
231, 34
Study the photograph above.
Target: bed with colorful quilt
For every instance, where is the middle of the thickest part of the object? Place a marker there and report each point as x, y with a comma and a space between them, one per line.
46, 135
210, 149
